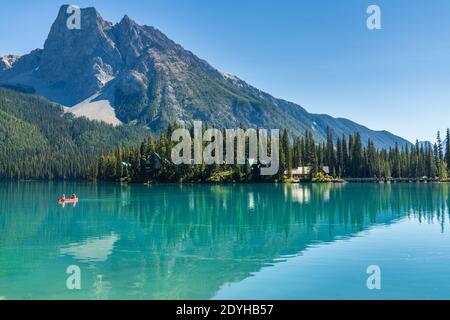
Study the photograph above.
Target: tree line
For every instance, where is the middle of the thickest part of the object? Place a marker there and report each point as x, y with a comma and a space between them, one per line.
39, 141
346, 157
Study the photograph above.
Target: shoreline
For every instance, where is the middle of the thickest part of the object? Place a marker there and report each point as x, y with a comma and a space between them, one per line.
331, 181
396, 180
288, 181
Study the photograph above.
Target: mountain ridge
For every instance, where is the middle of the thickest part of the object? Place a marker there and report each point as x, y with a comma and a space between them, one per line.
140, 75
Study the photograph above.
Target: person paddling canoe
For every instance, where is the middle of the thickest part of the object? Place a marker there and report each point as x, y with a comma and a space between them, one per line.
73, 199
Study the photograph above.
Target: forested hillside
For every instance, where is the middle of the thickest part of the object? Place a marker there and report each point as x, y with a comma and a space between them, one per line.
39, 141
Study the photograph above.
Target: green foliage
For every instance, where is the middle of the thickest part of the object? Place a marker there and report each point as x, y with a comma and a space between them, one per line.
39, 141
321, 177
447, 151
221, 177
348, 159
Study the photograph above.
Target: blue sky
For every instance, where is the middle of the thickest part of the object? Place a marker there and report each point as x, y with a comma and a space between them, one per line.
318, 53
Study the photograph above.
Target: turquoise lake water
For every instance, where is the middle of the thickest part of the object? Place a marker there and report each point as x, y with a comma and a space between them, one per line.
225, 242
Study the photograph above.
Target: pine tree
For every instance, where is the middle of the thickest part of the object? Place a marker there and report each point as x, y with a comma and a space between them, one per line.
329, 151
119, 163
287, 150
373, 170
297, 160
340, 158
356, 151
447, 151
440, 155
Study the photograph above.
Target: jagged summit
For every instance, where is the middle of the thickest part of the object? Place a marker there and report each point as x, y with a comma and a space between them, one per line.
127, 20
126, 72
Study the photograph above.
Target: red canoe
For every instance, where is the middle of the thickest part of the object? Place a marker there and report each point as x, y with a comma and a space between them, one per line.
67, 200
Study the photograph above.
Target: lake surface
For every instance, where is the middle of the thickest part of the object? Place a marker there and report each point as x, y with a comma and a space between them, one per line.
225, 242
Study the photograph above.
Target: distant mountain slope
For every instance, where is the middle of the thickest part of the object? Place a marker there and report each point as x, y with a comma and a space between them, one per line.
431, 144
148, 78
38, 140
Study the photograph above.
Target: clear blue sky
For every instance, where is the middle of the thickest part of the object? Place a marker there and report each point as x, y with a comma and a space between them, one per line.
316, 53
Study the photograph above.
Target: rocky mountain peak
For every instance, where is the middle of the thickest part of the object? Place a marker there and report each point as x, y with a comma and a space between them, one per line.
84, 59
134, 73
128, 37
126, 20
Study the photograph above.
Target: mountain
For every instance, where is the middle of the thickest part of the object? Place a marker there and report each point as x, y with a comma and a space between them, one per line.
425, 144
125, 72
39, 141
428, 144
7, 62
